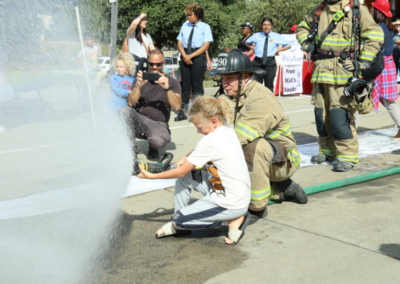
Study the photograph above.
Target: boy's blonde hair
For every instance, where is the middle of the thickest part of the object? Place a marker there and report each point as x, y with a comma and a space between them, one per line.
208, 107
129, 63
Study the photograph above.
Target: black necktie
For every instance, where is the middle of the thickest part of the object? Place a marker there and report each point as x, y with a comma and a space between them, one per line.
189, 46
265, 54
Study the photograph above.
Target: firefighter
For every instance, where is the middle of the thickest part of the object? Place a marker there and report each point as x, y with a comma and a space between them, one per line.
328, 33
264, 132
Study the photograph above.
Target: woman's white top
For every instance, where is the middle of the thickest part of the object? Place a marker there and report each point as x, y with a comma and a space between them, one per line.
136, 47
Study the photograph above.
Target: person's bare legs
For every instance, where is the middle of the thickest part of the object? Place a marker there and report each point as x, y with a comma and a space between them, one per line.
234, 224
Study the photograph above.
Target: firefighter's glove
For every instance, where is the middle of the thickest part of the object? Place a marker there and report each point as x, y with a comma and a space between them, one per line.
308, 46
349, 65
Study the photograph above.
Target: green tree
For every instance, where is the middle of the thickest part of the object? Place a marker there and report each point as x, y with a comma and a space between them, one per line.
283, 13
165, 18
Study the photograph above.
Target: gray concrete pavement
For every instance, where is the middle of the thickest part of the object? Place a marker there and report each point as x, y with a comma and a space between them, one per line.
348, 235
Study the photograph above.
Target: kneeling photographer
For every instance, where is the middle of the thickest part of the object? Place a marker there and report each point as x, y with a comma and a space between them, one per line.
150, 100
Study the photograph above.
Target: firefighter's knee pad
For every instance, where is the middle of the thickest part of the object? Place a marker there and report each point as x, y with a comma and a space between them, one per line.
319, 121
340, 121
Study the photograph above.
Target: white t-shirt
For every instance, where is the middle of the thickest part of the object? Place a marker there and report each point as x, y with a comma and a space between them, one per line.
91, 56
136, 47
222, 147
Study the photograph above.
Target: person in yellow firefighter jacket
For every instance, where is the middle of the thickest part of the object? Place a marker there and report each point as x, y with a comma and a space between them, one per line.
334, 65
264, 132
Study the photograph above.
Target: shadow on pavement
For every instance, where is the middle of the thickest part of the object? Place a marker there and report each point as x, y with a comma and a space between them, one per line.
304, 138
135, 256
392, 250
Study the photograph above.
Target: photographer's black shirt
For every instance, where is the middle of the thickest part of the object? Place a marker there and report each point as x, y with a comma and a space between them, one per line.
153, 102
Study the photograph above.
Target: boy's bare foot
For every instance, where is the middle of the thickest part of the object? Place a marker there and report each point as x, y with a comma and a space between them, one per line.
234, 224
170, 226
159, 232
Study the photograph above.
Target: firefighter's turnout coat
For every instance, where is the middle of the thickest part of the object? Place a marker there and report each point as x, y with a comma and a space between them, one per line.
269, 147
334, 112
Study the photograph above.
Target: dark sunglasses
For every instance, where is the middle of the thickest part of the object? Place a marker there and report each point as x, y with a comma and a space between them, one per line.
243, 28
156, 64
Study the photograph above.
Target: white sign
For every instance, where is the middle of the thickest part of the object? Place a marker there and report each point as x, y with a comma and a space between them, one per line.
293, 56
292, 79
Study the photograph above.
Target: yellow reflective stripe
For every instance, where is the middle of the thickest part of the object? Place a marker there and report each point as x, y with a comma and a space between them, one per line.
328, 152
304, 24
286, 131
272, 134
275, 133
260, 194
246, 131
331, 41
197, 168
302, 38
367, 55
344, 158
330, 77
366, 58
374, 35
295, 157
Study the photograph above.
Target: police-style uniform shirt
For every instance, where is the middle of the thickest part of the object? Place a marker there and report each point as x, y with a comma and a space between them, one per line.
202, 33
274, 41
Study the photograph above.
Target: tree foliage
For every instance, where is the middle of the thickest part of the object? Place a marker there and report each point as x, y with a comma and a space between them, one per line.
165, 18
283, 13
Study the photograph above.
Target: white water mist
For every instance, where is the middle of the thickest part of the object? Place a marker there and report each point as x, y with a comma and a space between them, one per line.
60, 182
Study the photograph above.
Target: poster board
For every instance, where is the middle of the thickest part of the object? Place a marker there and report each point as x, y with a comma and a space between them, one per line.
291, 66
293, 56
292, 79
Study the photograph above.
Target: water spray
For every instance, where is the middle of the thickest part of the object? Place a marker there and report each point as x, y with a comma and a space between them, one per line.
84, 60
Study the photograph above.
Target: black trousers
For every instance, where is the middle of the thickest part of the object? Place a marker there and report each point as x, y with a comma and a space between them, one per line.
270, 68
192, 77
396, 58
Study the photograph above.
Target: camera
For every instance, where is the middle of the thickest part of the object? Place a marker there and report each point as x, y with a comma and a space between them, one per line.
149, 76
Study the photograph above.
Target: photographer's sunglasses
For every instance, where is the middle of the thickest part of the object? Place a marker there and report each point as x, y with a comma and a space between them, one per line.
156, 64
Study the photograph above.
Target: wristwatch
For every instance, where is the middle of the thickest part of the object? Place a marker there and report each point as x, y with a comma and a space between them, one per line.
169, 88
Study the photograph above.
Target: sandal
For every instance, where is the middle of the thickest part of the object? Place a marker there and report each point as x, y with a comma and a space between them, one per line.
246, 221
235, 236
169, 230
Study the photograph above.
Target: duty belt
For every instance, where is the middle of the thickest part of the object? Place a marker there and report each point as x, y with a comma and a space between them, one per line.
323, 54
193, 49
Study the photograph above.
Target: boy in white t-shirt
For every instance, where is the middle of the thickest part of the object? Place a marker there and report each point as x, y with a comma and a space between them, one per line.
226, 185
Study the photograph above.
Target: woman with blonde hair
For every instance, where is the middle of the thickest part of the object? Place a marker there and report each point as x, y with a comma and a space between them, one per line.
226, 185
122, 81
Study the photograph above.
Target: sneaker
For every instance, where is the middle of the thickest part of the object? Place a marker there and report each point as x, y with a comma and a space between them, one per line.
153, 153
181, 116
318, 159
394, 137
342, 166
293, 192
